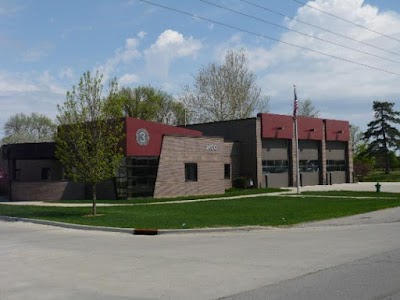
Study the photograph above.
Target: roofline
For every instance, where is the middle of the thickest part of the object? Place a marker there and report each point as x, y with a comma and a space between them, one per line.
224, 121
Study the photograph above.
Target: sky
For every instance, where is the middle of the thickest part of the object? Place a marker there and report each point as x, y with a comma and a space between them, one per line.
47, 45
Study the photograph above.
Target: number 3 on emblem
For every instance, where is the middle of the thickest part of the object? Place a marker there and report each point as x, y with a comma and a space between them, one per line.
142, 137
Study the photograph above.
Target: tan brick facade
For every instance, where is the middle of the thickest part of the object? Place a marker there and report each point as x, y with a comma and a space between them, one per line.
209, 153
248, 134
323, 158
47, 191
349, 158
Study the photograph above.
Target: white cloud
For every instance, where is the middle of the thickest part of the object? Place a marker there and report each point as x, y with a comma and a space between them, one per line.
141, 34
123, 55
29, 92
337, 88
33, 55
48, 83
127, 79
17, 83
169, 46
66, 73
10, 10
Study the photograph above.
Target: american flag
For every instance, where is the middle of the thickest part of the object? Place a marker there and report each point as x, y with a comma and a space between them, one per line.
296, 103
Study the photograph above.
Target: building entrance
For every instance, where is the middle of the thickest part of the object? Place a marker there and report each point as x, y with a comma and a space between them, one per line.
136, 177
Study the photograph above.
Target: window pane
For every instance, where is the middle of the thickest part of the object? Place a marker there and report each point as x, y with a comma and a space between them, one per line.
227, 171
191, 172
45, 173
275, 166
309, 165
335, 165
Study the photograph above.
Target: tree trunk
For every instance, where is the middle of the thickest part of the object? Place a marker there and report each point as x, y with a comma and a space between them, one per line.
387, 162
94, 199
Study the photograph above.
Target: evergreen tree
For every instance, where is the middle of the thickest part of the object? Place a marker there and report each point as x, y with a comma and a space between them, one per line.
381, 134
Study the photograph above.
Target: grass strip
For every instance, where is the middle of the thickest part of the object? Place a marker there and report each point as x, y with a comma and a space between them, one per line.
394, 176
263, 211
228, 193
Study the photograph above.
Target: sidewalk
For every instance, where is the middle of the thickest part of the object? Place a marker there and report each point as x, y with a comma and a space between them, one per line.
392, 187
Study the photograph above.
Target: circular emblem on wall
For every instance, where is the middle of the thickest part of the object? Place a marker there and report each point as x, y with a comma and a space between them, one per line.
142, 137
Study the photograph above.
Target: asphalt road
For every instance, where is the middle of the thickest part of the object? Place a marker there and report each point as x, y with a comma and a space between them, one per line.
374, 277
44, 262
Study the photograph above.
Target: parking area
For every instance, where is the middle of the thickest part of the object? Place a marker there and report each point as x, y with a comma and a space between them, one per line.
390, 187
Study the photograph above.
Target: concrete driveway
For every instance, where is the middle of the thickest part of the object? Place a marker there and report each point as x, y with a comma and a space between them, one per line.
43, 262
391, 187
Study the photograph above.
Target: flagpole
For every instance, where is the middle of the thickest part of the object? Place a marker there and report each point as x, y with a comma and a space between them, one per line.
297, 140
297, 156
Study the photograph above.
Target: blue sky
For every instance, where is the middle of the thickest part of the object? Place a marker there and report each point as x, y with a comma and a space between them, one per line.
46, 45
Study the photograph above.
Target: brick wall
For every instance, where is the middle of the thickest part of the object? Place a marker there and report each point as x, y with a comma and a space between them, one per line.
47, 191
31, 169
323, 157
350, 164
245, 131
259, 180
4, 183
176, 151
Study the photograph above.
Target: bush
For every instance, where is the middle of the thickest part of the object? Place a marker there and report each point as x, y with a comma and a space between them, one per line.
361, 170
240, 183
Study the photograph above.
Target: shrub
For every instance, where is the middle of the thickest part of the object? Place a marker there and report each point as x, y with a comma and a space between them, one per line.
240, 183
361, 170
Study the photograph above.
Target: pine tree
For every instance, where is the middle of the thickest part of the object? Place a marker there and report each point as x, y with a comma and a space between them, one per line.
381, 135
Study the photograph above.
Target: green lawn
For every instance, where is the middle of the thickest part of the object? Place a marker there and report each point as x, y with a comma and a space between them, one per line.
380, 176
273, 211
228, 193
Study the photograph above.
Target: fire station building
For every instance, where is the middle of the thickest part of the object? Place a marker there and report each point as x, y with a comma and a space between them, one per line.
168, 161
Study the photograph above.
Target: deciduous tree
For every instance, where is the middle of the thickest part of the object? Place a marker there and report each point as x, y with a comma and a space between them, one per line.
88, 142
33, 128
356, 136
149, 103
224, 92
307, 109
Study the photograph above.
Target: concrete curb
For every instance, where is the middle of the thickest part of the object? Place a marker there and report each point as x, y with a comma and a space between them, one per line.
66, 225
136, 231
216, 230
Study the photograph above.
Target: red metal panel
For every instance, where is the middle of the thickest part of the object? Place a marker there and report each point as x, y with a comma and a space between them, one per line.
310, 128
155, 133
337, 130
276, 126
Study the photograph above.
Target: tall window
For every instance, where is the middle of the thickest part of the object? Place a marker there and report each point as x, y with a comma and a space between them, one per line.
190, 172
17, 174
227, 171
335, 165
45, 173
309, 165
275, 166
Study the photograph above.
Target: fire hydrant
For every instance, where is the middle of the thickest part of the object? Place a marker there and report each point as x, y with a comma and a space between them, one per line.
378, 187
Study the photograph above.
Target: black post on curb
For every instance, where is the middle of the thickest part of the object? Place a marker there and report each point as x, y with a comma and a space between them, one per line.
145, 231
